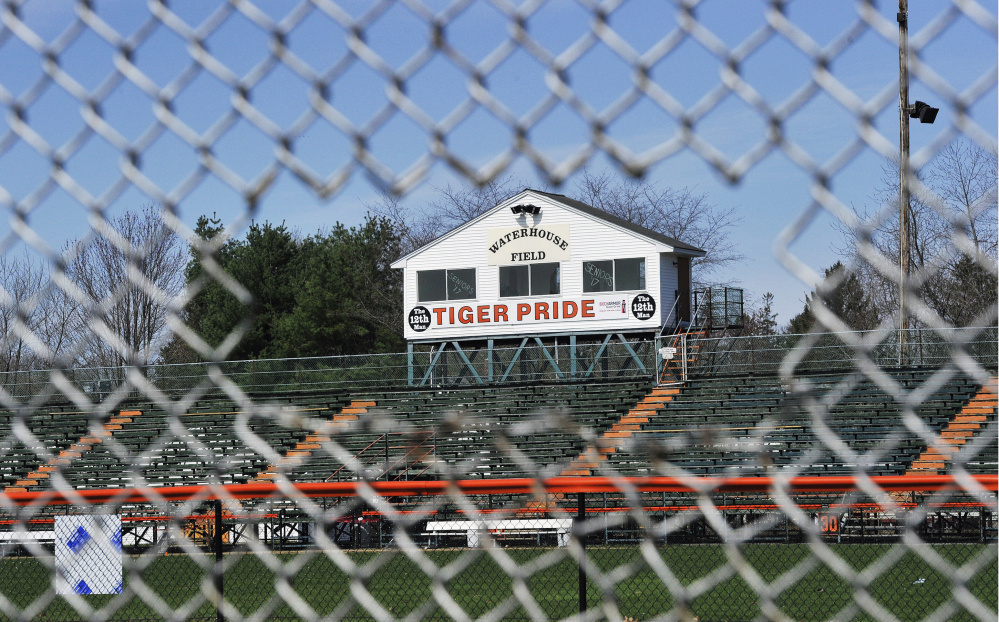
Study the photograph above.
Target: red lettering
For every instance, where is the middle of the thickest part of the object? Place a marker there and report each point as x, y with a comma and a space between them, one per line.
499, 313
440, 315
541, 309
555, 310
483, 313
587, 308
522, 310
465, 315
450, 314
569, 309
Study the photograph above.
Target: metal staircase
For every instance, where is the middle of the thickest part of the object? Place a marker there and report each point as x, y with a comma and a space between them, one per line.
717, 310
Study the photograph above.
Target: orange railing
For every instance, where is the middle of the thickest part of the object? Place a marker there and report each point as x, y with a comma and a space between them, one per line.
553, 485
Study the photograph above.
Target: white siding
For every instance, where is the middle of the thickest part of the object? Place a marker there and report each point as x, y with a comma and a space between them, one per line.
590, 239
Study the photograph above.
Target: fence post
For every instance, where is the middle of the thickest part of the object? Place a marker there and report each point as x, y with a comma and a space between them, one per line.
489, 359
572, 356
219, 616
580, 517
409, 364
683, 348
281, 533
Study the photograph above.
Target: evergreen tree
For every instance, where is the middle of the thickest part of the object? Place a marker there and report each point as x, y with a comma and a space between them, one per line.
761, 320
330, 293
842, 293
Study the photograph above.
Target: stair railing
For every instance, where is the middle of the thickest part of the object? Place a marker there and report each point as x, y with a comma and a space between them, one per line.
674, 359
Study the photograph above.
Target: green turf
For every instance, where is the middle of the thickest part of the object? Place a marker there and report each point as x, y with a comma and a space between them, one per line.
910, 587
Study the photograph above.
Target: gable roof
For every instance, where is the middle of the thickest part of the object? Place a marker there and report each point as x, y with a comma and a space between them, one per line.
621, 222
572, 204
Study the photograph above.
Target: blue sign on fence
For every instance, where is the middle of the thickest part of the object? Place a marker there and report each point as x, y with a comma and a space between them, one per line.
88, 554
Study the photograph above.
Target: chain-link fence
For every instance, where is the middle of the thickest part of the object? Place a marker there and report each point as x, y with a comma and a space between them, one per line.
538, 363
512, 550
614, 357
828, 351
829, 476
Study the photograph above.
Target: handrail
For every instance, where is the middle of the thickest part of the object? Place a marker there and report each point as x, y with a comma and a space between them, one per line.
369, 446
676, 321
552, 485
389, 466
413, 449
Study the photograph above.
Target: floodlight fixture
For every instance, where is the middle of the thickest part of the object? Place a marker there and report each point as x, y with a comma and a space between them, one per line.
923, 111
526, 209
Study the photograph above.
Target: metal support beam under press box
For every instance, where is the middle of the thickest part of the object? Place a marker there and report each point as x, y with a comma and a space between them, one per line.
532, 358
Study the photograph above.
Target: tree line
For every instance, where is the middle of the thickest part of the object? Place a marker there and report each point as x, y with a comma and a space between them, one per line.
329, 293
133, 292
953, 215
104, 302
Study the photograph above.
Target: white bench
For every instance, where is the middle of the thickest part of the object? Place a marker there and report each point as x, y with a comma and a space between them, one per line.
502, 526
26, 536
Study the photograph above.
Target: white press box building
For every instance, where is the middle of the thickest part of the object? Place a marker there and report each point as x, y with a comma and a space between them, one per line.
542, 264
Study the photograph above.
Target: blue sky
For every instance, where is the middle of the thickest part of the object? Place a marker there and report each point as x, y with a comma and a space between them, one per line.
767, 198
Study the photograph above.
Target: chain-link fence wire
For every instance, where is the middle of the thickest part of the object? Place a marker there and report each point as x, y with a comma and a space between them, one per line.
926, 554
605, 358
516, 556
765, 353
432, 506
527, 363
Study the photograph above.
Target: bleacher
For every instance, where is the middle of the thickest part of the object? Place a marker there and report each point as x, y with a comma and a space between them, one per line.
144, 445
55, 426
472, 432
832, 423
738, 425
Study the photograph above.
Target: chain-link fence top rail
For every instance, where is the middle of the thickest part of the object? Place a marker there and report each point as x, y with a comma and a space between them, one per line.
913, 549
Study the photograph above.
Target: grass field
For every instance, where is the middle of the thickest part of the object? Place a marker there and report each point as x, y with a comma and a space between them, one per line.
910, 588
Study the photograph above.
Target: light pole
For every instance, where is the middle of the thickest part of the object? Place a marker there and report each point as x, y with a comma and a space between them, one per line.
926, 114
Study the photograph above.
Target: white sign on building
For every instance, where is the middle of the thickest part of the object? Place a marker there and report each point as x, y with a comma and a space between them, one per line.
511, 245
541, 263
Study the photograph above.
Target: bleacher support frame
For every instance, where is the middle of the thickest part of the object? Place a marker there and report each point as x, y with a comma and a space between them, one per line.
479, 361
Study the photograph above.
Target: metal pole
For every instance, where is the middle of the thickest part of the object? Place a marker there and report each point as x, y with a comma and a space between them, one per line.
572, 356
580, 517
903, 176
219, 616
489, 359
409, 363
683, 363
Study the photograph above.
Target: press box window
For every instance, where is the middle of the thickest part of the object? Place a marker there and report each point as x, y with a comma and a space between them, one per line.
629, 274
434, 285
614, 275
536, 279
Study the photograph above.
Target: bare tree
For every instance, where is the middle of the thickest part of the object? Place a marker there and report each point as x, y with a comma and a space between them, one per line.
38, 321
953, 222
964, 176
59, 327
455, 205
683, 214
129, 273
22, 282
680, 213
